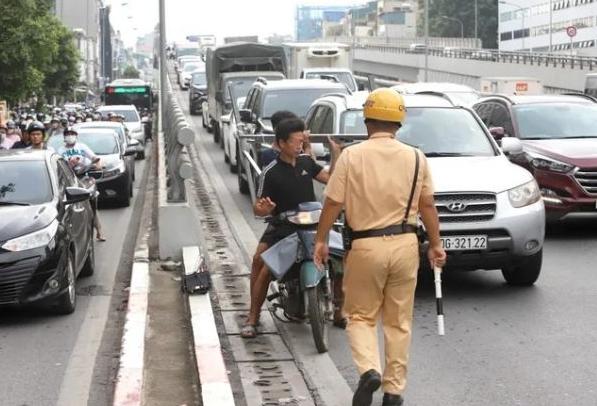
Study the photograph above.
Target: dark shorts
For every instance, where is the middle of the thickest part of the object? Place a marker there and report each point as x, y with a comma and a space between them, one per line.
273, 234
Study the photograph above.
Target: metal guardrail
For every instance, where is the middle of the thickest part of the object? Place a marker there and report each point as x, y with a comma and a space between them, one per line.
526, 58
177, 136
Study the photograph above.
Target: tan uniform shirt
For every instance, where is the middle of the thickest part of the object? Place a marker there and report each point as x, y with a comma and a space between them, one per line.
373, 180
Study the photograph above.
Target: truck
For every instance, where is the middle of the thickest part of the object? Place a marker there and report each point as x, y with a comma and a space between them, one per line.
241, 57
511, 85
246, 38
320, 61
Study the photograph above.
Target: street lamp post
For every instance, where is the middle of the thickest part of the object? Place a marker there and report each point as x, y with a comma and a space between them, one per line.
458, 21
426, 40
519, 8
476, 20
550, 26
162, 57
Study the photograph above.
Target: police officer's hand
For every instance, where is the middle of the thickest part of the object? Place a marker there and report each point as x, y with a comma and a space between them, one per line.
437, 256
321, 255
335, 146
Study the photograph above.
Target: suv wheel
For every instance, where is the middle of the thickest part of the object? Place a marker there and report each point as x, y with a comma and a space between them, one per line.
216, 131
243, 184
525, 270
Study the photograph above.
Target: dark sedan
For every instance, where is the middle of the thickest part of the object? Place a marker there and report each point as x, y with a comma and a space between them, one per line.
197, 92
46, 231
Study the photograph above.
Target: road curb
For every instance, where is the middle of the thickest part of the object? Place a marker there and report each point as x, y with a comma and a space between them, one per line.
129, 384
211, 369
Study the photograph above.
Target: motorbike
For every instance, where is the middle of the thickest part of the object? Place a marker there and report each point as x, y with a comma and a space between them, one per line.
303, 292
87, 176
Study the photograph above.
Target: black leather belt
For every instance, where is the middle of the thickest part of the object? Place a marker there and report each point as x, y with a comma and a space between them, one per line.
387, 231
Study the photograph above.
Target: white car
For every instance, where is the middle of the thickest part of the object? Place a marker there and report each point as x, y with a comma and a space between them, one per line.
343, 76
132, 122
490, 210
186, 74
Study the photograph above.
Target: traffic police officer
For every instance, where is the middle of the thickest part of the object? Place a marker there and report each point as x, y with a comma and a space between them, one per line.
375, 182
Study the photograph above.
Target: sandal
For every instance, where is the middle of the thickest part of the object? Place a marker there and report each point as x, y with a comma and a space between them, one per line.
340, 321
248, 331
100, 238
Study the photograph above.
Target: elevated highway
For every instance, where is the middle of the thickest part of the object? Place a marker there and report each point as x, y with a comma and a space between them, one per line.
559, 73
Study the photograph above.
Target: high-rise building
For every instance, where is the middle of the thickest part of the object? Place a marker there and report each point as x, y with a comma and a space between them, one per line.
534, 25
83, 18
312, 20
384, 18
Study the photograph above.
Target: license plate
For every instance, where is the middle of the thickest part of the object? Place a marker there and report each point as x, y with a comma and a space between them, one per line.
464, 242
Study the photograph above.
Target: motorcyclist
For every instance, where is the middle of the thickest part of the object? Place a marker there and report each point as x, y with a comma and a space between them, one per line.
37, 133
12, 135
55, 128
79, 156
284, 184
25, 139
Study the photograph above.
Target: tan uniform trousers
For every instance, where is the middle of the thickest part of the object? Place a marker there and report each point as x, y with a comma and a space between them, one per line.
381, 276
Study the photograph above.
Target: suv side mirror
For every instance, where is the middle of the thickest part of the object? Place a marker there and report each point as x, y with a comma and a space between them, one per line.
245, 116
361, 86
497, 133
76, 195
511, 146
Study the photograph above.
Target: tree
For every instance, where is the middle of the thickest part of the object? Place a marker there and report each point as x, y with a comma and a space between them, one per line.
463, 10
130, 72
35, 45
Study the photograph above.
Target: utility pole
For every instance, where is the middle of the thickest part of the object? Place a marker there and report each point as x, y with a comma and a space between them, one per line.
426, 40
550, 26
163, 62
476, 20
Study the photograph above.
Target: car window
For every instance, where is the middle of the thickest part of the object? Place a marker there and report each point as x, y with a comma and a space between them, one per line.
500, 117
199, 79
352, 122
257, 103
25, 182
316, 120
297, 101
130, 116
342, 77
327, 123
556, 120
483, 110
66, 177
426, 129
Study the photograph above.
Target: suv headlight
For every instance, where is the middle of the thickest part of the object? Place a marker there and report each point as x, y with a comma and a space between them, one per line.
114, 171
548, 164
524, 195
36, 239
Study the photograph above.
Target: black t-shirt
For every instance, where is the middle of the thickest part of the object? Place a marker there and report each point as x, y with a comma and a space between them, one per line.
288, 186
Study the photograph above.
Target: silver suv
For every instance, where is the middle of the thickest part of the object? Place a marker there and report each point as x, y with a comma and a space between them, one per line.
491, 212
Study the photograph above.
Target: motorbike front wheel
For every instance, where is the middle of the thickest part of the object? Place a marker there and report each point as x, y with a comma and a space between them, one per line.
316, 310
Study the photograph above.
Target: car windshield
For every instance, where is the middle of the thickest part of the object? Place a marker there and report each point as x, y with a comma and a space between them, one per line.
199, 78
297, 101
119, 130
16, 185
130, 116
445, 132
189, 67
539, 121
343, 77
352, 122
99, 143
241, 86
187, 51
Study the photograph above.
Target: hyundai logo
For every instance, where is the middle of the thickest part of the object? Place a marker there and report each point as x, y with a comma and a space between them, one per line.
457, 207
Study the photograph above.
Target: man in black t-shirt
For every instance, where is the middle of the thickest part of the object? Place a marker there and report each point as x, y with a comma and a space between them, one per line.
284, 184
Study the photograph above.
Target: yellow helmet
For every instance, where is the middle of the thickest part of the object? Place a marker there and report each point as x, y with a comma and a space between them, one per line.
385, 104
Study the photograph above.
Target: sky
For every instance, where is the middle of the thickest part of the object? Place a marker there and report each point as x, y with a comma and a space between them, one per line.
221, 18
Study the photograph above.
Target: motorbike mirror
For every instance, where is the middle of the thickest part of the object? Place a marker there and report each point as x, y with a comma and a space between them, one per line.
245, 116
76, 195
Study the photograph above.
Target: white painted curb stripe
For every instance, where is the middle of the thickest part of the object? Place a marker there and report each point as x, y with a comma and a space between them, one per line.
129, 383
215, 385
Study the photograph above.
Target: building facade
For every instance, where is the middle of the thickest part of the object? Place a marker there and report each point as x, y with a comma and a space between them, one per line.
384, 18
83, 18
537, 25
312, 22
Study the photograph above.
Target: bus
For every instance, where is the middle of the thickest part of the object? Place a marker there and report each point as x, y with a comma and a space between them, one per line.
129, 91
